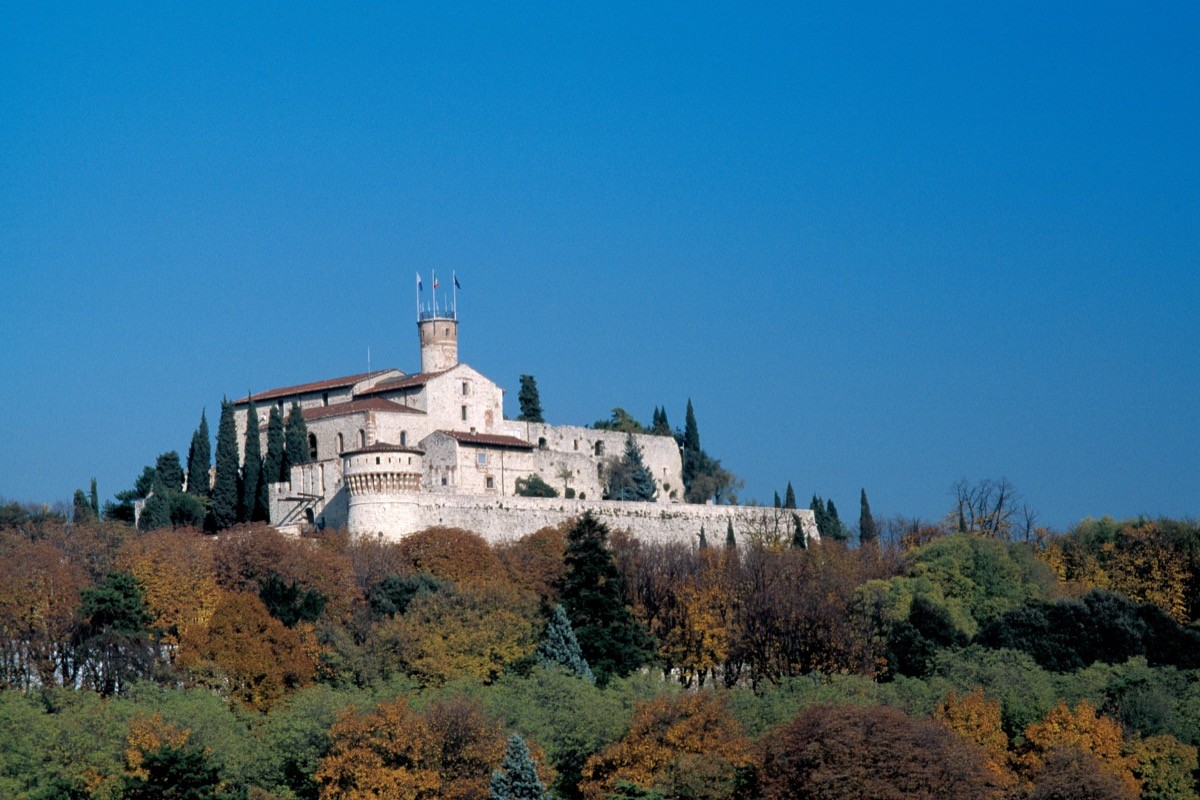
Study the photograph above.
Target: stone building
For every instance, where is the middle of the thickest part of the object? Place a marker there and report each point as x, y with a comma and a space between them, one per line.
393, 453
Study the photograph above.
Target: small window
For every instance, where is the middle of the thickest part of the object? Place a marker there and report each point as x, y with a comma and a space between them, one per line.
376, 459
312, 446
599, 448
464, 413
576, 444
464, 384
325, 398
443, 480
404, 438
491, 482
341, 444
362, 438
542, 443
481, 459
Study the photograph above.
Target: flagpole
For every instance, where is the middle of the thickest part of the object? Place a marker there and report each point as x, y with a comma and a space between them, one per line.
435, 308
454, 289
418, 297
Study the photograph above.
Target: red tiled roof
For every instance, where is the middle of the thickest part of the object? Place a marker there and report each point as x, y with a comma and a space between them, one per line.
384, 447
357, 407
420, 379
317, 386
489, 439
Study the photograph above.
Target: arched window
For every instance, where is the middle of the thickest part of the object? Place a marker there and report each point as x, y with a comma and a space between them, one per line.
312, 446
341, 444
362, 438
404, 438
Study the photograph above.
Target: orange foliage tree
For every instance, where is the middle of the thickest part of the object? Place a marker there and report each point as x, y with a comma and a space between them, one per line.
39, 592
684, 746
177, 573
147, 734
535, 564
451, 554
978, 719
1083, 729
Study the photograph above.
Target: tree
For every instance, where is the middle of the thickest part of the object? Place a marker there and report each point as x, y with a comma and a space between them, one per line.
659, 426
114, 643
175, 773
170, 471
199, 460
1083, 729
94, 500
156, 513
989, 506
612, 641
629, 478
534, 486
225, 485
382, 754
560, 647
1073, 774
288, 603
273, 471
789, 496
703, 543
867, 532
82, 508
517, 778
691, 431
175, 571
979, 719
250, 507
295, 435
622, 422
832, 752
531, 402
730, 541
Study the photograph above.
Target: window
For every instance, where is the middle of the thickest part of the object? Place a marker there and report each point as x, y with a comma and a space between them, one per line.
542, 443
464, 387
404, 438
362, 438
464, 413
481, 459
341, 444
491, 482
325, 398
312, 446
576, 444
599, 448
377, 460
443, 480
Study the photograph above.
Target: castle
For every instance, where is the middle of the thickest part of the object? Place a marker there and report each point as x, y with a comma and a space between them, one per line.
393, 453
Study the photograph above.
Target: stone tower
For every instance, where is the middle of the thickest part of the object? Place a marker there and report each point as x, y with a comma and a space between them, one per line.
439, 340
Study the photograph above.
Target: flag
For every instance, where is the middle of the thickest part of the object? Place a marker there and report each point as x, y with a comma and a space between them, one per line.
456, 283
436, 283
419, 286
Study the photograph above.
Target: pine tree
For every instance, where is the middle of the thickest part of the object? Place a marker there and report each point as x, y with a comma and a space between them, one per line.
199, 460
703, 539
531, 402
730, 541
867, 532
295, 434
630, 479
249, 502
517, 778
560, 646
789, 496
170, 471
157, 511
273, 471
225, 485
612, 640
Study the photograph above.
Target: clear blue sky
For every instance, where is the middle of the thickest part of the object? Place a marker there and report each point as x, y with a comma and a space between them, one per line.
885, 247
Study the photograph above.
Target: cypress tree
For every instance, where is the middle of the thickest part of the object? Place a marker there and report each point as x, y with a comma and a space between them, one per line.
170, 471
225, 486
703, 540
867, 532
831, 510
730, 542
94, 500
531, 402
777, 503
199, 460
560, 646
249, 503
295, 434
962, 521
611, 639
798, 537
517, 778
273, 471
789, 497
691, 433
817, 506
82, 507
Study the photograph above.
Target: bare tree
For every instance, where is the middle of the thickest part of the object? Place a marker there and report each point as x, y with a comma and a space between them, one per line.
991, 506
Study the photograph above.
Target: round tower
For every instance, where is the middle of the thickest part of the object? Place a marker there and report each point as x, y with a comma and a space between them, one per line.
439, 341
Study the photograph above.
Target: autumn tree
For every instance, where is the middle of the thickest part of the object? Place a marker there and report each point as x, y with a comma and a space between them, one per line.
39, 592
1082, 729
534, 563
978, 719
452, 554
1069, 773
684, 746
176, 571
382, 754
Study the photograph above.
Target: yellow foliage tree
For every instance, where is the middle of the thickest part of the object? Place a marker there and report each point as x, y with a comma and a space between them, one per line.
673, 742
147, 734
696, 642
978, 719
1083, 729
178, 574
1147, 569
382, 754
1165, 766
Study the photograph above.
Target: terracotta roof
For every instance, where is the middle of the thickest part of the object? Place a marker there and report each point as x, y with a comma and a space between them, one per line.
357, 407
317, 386
489, 439
384, 447
420, 379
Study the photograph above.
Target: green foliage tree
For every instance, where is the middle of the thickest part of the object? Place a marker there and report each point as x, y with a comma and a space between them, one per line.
703, 543
622, 422
559, 646
295, 435
251, 498
789, 496
170, 471
517, 778
225, 485
659, 426
534, 486
392, 595
288, 603
82, 507
691, 431
612, 640
94, 499
199, 460
156, 513
730, 541
629, 478
867, 532
114, 648
531, 402
273, 462
175, 773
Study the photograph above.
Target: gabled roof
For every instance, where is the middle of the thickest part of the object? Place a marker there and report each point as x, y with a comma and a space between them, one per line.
406, 382
384, 447
358, 407
488, 440
316, 386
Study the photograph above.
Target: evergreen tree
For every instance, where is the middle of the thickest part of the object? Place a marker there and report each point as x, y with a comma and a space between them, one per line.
199, 460
82, 507
531, 402
517, 778
157, 511
630, 479
612, 640
799, 539
251, 506
175, 773
295, 434
962, 522
730, 541
225, 486
94, 500
831, 510
817, 506
691, 433
561, 647
777, 504
273, 471
170, 471
789, 496
867, 532
703, 539
660, 426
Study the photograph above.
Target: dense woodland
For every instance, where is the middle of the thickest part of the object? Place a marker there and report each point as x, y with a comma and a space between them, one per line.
972, 658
